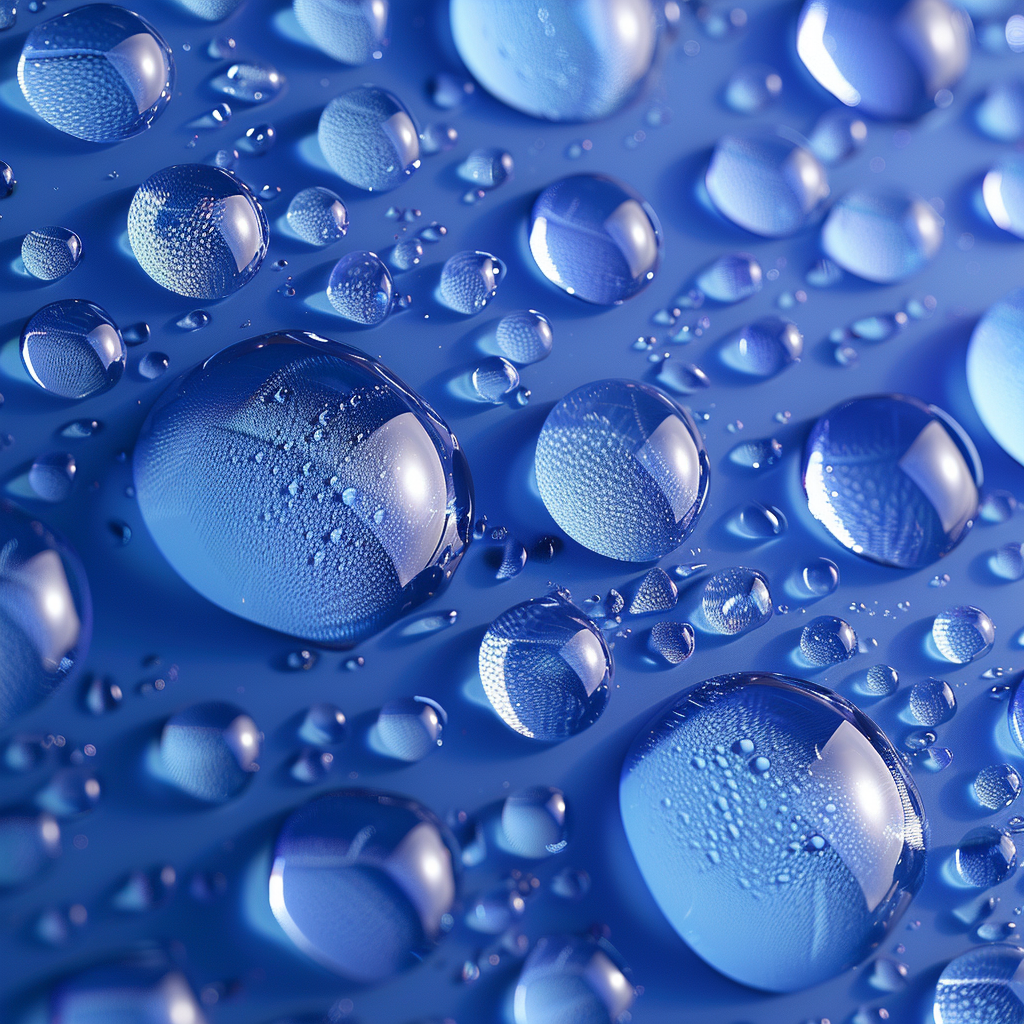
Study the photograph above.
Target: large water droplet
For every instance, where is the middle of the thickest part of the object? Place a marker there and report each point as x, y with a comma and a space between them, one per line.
533, 821
28, 844
622, 469
525, 337
469, 280
361, 289
773, 802
828, 640
595, 238
985, 857
963, 634
892, 479
51, 253
409, 728
301, 476
981, 987
98, 72
736, 600
350, 31
545, 669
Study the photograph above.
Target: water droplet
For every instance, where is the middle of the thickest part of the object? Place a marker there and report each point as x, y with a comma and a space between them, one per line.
760, 522
533, 822
361, 288
409, 728
406, 254
963, 634
979, 987
194, 321
350, 31
758, 454
765, 347
251, 82
318, 216
997, 786
837, 135
767, 184
719, 841
736, 600
153, 365
595, 238
52, 476
888, 975
257, 140
369, 139
97, 72
824, 274
880, 681
525, 337
751, 89
672, 641
7, 181
682, 378
101, 696
654, 594
30, 843
197, 230
487, 168
72, 791
1008, 561
438, 138
571, 884
892, 479
73, 349
494, 379
828, 640
323, 725
881, 238
932, 702
820, 577
8, 14
228, 442
545, 669
51, 253
81, 428
469, 280
731, 278
985, 857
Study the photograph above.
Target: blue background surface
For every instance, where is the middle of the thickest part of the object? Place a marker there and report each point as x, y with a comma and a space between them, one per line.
143, 609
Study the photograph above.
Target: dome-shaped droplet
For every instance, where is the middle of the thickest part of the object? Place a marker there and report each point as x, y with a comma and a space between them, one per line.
673, 642
996, 786
752, 88
1002, 191
72, 791
525, 337
487, 168
251, 82
828, 640
299, 474
789, 760
494, 379
881, 238
409, 728
820, 577
837, 135
932, 702
324, 725
880, 681
469, 280
731, 278
28, 843
985, 857
887, 57
767, 184
576, 61
350, 31
1007, 562
7, 181
197, 230
545, 669
764, 347
892, 479
622, 469
364, 883
369, 138
210, 10
51, 253
595, 238
97, 72
53, 475
682, 378
963, 634
981, 987
533, 821
1000, 113
736, 600
361, 289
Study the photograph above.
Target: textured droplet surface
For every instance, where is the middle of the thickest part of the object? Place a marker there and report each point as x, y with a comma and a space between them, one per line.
828, 640
981, 987
52, 476
51, 253
985, 857
409, 728
963, 634
494, 379
350, 31
318, 216
765, 347
533, 821
525, 337
736, 600
469, 280
892, 479
996, 786
300, 475
323, 725
731, 278
881, 681
673, 642
932, 702
622, 469
361, 289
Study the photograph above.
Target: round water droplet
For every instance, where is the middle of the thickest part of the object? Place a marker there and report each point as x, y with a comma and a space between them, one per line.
932, 702
361, 288
52, 476
494, 379
409, 728
545, 669
997, 786
963, 634
1002, 191
51, 253
828, 640
153, 365
731, 278
981, 987
309, 449
767, 184
889, 59
595, 238
622, 469
98, 72
1008, 561
197, 230
73, 349
736, 600
881, 681
469, 280
257, 140
251, 82
72, 791
407, 254
837, 135
985, 857
752, 88
318, 216
487, 168
363, 882
534, 821
323, 725
563, 62
525, 337
820, 577
28, 845
7, 181
672, 641
369, 139
892, 479
1000, 113
760, 522
881, 238
350, 31
697, 808
765, 347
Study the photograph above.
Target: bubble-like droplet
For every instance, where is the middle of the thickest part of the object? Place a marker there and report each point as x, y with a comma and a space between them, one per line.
881, 238
487, 168
731, 278
97, 72
682, 378
963, 634
318, 216
323, 725
622, 469
595, 238
51, 253
369, 139
981, 987
820, 577
406, 254
250, 82
985, 857
494, 379
655, 593
196, 320
577, 62
257, 140
73, 349
997, 786
764, 347
994, 358
736, 600
363, 882
52, 476
760, 522
533, 821
828, 640
525, 337
469, 280
350, 31
72, 791
752, 88
837, 135
932, 702
153, 365
409, 728
361, 288
880, 681
545, 669
8, 14
889, 59
28, 843
7, 181
197, 230
310, 460
672, 641
1002, 191
787, 759
81, 428
1008, 561
766, 184
892, 479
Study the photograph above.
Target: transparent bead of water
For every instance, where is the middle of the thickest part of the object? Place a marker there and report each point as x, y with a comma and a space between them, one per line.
81, 428
735, 600
672, 641
197, 230
496, 911
469, 280
257, 140
369, 139
887, 59
51, 253
210, 10
765, 347
963, 634
438, 138
751, 89
97, 72
622, 469
1008, 561
302, 447
487, 168
994, 357
323, 725
985, 857
562, 62
758, 454
8, 14
29, 844
761, 522
545, 669
7, 181
892, 479
71, 792
525, 337
533, 822
595, 238
195, 320
828, 640
731, 278
449, 91
72, 349
153, 365
932, 702
1000, 112
997, 786
409, 728
572, 979
655, 593
881, 238
879, 327
406, 254
350, 31
379, 894
998, 506
881, 681
1002, 191
820, 577
494, 379
837, 135
251, 82
52, 476
981, 987
782, 758
682, 378
101, 696
361, 289
318, 216
766, 184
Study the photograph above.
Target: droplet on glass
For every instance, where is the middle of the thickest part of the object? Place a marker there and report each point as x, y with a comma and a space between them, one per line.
361, 288
318, 216
52, 476
736, 600
409, 728
828, 640
963, 634
51, 253
533, 821
469, 280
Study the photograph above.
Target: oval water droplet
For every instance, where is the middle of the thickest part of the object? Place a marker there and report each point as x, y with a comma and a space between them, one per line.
764, 347
525, 337
932, 702
409, 728
494, 379
881, 681
323, 725
350, 31
996, 786
731, 278
980, 987
361, 289
820, 577
487, 168
251, 82
51, 253
837, 135
752, 88
318, 216
29, 844
985, 857
672, 641
153, 365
